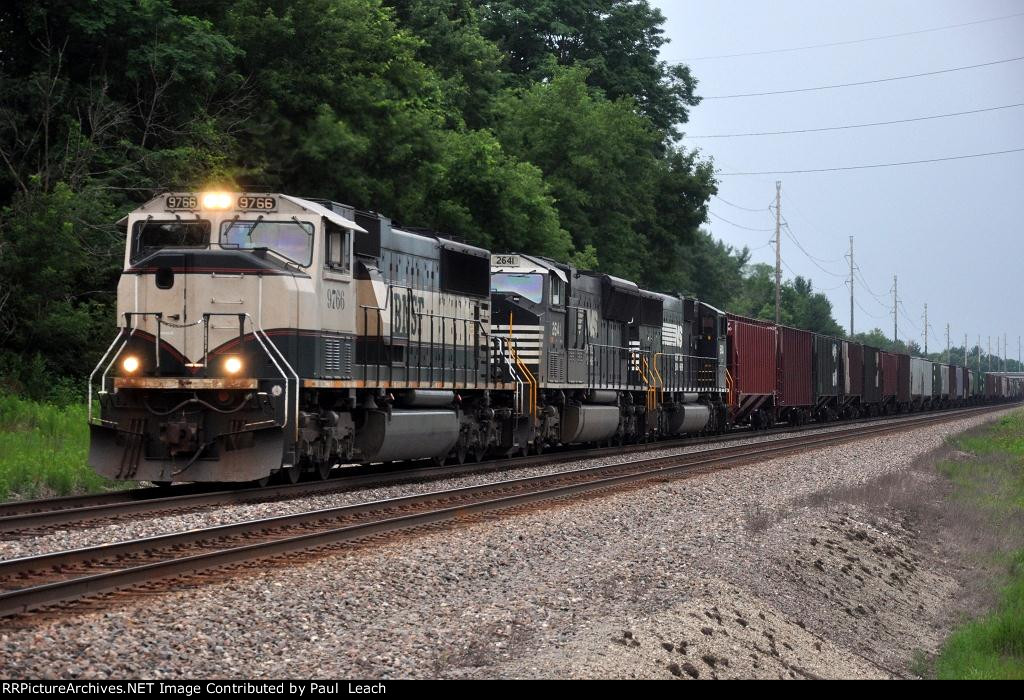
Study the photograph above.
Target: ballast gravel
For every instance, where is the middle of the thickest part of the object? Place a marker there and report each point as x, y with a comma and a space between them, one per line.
151, 525
748, 572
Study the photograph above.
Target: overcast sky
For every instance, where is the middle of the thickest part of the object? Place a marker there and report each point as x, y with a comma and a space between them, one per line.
950, 230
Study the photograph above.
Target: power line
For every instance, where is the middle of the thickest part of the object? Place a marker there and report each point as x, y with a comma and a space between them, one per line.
856, 41
812, 257
875, 165
857, 126
906, 316
864, 82
814, 261
868, 313
811, 281
876, 297
737, 206
732, 223
815, 229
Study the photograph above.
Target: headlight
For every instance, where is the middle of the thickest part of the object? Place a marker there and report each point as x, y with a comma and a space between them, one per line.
216, 200
130, 364
233, 365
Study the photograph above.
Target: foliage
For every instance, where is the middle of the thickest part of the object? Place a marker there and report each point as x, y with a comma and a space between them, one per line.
992, 483
800, 305
540, 126
43, 450
616, 41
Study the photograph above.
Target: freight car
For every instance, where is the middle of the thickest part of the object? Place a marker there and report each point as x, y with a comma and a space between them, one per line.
266, 334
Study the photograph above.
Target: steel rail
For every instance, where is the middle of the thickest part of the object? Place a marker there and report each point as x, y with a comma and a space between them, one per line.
31, 516
377, 517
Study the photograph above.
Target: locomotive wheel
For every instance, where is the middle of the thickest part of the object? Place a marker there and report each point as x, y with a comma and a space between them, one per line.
290, 475
461, 452
161, 484
538, 447
479, 452
261, 482
323, 470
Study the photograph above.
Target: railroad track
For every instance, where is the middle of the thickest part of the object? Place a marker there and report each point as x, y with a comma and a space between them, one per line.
35, 582
30, 518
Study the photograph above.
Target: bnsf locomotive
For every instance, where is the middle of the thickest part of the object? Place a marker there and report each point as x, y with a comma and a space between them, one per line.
266, 334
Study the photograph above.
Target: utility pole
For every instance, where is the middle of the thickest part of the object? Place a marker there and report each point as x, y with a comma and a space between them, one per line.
778, 251
979, 354
988, 358
895, 301
925, 329
965, 350
947, 344
1006, 354
851, 286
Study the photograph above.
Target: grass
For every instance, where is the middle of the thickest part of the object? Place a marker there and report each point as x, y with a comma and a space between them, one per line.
992, 482
43, 450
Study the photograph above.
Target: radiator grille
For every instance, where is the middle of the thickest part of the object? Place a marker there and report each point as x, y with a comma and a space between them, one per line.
337, 357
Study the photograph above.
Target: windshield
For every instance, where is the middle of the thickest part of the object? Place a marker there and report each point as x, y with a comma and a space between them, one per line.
150, 236
292, 239
528, 285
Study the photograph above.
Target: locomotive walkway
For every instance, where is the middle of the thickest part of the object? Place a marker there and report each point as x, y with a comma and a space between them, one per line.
186, 558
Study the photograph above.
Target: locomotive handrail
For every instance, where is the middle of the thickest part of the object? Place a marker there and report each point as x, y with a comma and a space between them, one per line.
530, 379
257, 329
92, 375
692, 380
473, 321
521, 391
258, 333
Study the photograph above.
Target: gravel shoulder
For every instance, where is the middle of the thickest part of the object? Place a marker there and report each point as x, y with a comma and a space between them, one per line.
797, 567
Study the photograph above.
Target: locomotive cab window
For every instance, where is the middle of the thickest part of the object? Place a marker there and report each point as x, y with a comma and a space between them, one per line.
151, 236
557, 291
289, 239
338, 256
528, 285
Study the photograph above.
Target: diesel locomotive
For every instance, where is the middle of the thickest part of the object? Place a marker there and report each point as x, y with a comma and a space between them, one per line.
266, 335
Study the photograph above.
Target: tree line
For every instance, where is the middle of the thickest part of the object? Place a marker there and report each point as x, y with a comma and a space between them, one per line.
547, 126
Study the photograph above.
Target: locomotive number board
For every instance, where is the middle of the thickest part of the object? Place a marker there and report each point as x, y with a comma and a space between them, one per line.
258, 203
504, 261
188, 201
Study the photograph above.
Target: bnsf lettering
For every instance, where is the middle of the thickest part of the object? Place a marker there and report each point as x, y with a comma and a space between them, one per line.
407, 309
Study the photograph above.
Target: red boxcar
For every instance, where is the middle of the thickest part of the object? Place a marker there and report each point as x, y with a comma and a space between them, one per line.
751, 356
795, 363
890, 375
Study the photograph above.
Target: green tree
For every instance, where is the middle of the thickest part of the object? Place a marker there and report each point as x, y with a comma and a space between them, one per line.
616, 41
613, 191
452, 43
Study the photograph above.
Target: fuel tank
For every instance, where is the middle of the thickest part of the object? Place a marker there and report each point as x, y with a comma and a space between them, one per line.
687, 418
406, 434
589, 423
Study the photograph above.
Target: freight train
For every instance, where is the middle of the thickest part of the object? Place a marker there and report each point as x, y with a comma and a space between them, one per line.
266, 335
